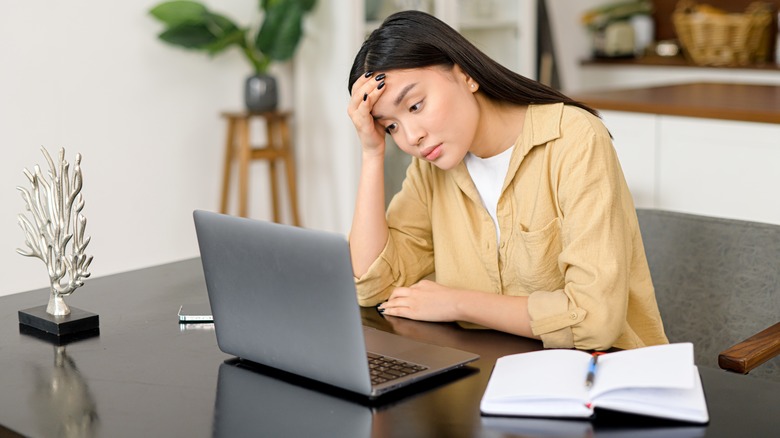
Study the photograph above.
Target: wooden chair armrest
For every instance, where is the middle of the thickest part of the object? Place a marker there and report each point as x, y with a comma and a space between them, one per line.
752, 352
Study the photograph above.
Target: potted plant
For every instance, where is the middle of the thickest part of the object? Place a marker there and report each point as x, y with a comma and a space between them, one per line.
192, 25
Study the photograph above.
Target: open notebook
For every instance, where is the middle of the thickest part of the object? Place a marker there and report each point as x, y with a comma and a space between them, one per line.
658, 381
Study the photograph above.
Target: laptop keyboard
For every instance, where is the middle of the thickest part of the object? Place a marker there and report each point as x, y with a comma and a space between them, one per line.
383, 368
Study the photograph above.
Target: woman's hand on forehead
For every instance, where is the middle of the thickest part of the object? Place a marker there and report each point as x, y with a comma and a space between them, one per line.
365, 93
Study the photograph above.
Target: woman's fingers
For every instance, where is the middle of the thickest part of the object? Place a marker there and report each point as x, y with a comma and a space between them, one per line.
365, 92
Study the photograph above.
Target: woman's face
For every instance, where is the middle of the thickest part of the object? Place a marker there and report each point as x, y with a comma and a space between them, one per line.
431, 113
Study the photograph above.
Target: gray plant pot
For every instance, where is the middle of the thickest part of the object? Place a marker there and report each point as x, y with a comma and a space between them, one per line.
260, 93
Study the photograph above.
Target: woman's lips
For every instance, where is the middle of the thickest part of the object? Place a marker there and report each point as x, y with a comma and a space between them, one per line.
432, 153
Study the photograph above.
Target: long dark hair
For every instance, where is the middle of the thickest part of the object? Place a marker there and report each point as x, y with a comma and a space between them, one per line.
413, 39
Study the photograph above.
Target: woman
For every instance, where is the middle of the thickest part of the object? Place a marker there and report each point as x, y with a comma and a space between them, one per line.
514, 198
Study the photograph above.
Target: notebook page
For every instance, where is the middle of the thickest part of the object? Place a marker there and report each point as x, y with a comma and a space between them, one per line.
659, 366
685, 404
547, 374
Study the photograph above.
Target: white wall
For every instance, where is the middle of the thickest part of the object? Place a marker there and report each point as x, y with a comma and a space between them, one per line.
91, 76
327, 150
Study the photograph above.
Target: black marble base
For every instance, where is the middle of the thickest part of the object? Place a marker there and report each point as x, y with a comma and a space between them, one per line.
77, 321
59, 340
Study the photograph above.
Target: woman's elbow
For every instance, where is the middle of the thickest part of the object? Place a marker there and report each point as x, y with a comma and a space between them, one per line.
597, 335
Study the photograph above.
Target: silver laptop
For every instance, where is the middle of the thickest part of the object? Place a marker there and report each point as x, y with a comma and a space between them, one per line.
285, 297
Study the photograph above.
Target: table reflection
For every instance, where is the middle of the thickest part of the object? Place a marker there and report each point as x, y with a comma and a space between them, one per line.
249, 401
62, 399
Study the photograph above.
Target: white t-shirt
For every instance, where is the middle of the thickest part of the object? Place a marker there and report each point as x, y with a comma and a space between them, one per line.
488, 175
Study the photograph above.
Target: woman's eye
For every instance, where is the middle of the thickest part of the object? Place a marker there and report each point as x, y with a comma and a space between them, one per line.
415, 107
391, 128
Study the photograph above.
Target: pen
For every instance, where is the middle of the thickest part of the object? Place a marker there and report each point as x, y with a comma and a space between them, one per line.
594, 358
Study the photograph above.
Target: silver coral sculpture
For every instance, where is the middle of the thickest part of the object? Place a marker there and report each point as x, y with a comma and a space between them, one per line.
56, 232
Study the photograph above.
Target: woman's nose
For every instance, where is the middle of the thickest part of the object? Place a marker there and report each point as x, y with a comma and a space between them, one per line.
415, 137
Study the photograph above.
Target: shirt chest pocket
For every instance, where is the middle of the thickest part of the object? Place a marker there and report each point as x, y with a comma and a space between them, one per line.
531, 262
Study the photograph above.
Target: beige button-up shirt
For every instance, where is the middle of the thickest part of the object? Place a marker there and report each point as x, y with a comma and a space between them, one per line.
570, 239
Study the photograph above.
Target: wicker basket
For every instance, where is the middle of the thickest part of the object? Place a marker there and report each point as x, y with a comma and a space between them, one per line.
709, 36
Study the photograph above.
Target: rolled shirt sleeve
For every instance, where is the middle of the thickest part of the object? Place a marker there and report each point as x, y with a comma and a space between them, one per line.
408, 254
596, 210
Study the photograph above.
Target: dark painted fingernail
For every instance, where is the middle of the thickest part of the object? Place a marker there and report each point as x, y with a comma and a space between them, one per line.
369, 73
381, 84
379, 77
365, 96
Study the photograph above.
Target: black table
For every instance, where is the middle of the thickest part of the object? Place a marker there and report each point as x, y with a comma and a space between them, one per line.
145, 375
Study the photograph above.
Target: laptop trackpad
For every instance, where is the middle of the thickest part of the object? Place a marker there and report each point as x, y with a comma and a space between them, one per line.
399, 347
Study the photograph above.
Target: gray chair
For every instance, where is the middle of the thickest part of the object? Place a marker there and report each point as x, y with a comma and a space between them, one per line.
717, 282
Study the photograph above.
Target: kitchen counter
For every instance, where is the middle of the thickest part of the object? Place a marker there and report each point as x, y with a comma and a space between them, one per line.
739, 102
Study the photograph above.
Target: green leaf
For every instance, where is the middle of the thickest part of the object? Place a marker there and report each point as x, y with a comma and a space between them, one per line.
308, 5
270, 4
213, 33
190, 36
193, 26
281, 30
219, 25
175, 13
237, 37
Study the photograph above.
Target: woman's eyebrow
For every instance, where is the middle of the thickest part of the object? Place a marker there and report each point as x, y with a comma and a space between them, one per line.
398, 99
403, 93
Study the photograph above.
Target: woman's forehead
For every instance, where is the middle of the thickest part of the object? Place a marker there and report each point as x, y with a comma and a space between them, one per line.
406, 82
436, 69
403, 77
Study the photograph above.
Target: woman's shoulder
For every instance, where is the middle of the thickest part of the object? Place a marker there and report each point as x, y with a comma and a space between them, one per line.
554, 121
424, 178
571, 130
574, 118
422, 174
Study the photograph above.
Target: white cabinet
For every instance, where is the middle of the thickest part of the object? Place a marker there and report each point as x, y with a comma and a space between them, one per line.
719, 168
634, 137
702, 166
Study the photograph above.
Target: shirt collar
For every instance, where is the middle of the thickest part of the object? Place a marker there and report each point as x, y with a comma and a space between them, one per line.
542, 125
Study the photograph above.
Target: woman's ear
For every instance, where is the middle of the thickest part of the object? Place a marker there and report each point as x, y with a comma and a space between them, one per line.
463, 77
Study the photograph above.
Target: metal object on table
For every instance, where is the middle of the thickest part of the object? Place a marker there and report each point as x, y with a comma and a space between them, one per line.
56, 235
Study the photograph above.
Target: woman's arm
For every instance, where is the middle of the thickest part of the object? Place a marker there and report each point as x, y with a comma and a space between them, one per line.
368, 235
430, 301
369, 227
407, 255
